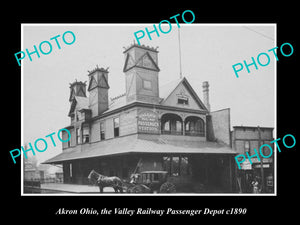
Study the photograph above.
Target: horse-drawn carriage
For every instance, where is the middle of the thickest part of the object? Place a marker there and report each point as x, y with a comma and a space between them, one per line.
151, 182
144, 182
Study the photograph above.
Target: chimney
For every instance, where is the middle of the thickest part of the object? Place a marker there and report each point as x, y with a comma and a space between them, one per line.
205, 86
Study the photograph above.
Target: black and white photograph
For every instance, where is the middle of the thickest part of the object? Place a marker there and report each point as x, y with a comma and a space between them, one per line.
168, 113
167, 116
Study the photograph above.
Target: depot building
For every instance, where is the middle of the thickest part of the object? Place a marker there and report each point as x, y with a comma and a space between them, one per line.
148, 128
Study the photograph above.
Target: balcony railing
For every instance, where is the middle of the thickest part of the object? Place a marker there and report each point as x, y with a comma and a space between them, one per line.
187, 133
172, 132
194, 133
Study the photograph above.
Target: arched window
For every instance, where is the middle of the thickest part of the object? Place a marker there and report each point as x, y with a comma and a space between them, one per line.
171, 124
194, 126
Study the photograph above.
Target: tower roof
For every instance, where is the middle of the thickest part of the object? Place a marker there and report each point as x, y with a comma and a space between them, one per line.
98, 69
77, 82
141, 46
77, 88
81, 102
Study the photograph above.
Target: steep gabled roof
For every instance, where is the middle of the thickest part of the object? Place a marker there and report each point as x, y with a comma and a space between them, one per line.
120, 101
80, 102
129, 63
102, 82
167, 90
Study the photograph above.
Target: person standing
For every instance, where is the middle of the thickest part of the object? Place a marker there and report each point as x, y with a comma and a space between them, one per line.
255, 186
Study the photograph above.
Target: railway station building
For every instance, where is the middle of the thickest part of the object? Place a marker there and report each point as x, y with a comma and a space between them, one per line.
148, 128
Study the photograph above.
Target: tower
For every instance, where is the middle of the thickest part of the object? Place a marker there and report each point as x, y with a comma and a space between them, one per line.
98, 88
141, 74
77, 88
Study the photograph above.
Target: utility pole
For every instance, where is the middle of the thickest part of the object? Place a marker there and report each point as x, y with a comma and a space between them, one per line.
261, 163
180, 68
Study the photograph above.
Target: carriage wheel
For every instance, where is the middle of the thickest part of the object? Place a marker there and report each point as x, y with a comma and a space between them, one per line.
137, 189
129, 189
167, 187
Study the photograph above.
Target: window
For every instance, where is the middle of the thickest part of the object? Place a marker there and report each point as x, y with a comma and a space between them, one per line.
146, 178
178, 126
78, 135
116, 127
171, 124
147, 84
183, 100
86, 135
166, 164
102, 131
155, 177
172, 127
69, 143
70, 167
194, 126
167, 126
185, 166
247, 146
177, 165
77, 117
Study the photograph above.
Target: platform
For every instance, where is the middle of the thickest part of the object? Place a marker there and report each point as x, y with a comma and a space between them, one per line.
73, 188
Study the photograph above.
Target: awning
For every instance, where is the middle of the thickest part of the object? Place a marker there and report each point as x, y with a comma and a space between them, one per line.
139, 143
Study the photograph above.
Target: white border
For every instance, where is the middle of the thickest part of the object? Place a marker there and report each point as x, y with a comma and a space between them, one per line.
141, 24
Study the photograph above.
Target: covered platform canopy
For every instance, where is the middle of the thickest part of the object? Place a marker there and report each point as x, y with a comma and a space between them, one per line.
140, 143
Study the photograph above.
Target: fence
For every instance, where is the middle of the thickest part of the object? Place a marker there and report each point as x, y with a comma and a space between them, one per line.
44, 180
34, 185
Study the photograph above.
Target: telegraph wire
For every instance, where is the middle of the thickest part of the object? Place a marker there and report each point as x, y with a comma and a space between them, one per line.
259, 33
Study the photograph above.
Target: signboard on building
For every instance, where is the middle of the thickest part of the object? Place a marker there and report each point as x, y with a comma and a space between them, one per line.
148, 122
264, 165
246, 165
265, 160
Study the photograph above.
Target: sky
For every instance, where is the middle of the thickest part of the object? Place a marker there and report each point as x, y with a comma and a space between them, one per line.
208, 52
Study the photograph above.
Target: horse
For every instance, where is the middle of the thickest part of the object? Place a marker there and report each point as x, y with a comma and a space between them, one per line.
105, 181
